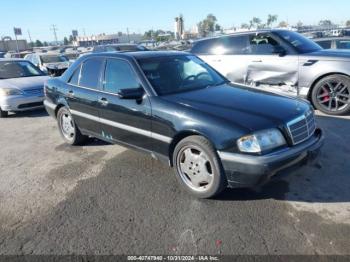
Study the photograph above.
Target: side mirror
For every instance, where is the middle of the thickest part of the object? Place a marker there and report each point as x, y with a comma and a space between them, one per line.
131, 93
279, 50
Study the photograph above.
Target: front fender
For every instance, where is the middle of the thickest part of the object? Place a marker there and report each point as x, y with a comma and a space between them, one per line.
312, 71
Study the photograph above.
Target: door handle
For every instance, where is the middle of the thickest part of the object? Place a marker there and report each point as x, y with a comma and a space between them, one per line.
216, 60
71, 93
103, 101
257, 61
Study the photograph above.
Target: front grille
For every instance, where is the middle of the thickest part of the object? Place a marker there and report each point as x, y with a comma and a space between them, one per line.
29, 105
37, 91
301, 128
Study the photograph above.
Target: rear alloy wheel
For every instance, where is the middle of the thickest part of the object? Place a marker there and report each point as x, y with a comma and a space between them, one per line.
331, 95
198, 167
68, 129
3, 114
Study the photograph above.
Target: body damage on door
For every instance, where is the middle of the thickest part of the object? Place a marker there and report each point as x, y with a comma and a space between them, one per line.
276, 78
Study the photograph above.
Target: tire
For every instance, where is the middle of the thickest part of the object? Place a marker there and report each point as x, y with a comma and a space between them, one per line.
3, 114
331, 95
68, 129
198, 167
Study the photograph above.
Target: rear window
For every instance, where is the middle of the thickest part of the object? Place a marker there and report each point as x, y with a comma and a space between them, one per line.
91, 73
74, 79
325, 44
204, 47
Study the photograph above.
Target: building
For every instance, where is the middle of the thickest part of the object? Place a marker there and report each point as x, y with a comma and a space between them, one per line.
103, 39
7, 44
179, 27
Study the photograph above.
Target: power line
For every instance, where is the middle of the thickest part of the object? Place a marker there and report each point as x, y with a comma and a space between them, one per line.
54, 29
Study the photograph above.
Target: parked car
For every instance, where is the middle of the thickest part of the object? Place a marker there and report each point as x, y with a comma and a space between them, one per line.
72, 56
50, 63
12, 54
334, 42
177, 108
21, 86
285, 62
118, 47
2, 54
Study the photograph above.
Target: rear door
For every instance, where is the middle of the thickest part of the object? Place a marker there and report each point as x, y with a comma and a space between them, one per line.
83, 91
229, 55
270, 69
124, 120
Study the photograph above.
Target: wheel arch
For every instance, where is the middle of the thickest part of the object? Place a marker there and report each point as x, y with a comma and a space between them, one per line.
61, 102
180, 136
314, 83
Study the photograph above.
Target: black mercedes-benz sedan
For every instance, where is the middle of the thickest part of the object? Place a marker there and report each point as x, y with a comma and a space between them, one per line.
177, 108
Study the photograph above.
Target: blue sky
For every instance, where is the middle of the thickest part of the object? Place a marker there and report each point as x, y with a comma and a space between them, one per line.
111, 16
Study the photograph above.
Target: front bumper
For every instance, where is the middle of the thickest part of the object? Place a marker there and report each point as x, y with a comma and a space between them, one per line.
21, 102
249, 171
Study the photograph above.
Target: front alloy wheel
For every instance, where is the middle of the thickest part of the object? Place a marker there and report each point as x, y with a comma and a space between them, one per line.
198, 167
331, 95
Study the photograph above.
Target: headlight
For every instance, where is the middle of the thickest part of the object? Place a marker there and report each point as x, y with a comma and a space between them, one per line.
10, 92
261, 141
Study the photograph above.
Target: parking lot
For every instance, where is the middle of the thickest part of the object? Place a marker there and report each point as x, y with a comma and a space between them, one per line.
105, 199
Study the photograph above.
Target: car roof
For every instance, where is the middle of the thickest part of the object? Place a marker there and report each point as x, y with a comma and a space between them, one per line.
138, 54
120, 44
331, 38
11, 59
243, 33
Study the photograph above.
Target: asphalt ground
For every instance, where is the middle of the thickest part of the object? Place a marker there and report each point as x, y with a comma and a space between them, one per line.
105, 199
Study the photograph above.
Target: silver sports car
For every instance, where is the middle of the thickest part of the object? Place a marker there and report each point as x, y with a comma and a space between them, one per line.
285, 62
21, 86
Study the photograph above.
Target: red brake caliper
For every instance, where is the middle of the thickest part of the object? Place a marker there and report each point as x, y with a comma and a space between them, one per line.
327, 97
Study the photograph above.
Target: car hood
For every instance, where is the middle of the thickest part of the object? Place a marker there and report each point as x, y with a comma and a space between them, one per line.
242, 106
58, 65
328, 54
24, 83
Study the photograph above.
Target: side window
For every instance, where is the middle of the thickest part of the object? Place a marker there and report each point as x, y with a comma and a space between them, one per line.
74, 79
119, 75
91, 73
262, 44
236, 45
204, 47
325, 44
343, 44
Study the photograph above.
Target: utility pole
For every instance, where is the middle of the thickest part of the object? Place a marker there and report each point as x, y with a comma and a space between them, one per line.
127, 30
54, 29
30, 37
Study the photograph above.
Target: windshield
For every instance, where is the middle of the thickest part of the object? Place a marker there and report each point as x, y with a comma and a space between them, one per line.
180, 73
300, 42
16, 69
53, 58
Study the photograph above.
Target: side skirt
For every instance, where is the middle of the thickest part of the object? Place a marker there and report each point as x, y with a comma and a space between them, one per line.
157, 156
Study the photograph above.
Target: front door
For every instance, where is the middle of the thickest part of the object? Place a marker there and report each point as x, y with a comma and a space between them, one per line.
271, 67
124, 120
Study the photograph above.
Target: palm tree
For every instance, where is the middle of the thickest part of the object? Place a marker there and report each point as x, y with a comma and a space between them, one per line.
271, 19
